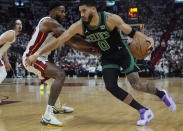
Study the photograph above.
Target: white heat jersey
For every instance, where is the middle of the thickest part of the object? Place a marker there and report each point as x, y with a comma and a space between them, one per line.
7, 45
38, 40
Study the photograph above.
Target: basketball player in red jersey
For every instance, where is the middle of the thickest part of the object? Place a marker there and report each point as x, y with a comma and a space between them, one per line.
6, 41
47, 29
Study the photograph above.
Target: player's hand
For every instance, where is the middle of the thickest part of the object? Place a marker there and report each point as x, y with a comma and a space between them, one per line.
96, 52
8, 66
151, 46
31, 60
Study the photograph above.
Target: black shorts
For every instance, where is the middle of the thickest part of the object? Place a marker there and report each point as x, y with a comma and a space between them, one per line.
120, 58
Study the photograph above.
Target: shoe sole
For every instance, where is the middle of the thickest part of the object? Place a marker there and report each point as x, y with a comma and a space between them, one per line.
50, 125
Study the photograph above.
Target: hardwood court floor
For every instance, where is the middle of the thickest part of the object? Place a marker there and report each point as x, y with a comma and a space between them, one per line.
95, 108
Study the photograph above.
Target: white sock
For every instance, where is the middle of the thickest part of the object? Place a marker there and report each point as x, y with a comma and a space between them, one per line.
49, 110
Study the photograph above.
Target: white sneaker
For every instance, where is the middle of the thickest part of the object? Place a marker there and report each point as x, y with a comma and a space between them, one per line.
50, 120
169, 102
63, 109
145, 117
0, 101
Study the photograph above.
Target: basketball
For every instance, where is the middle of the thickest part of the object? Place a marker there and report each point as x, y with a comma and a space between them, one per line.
139, 48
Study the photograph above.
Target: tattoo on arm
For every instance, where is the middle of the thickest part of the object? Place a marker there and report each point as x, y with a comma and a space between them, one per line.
108, 15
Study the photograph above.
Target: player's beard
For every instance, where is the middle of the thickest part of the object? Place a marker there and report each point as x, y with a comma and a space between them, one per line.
58, 19
90, 17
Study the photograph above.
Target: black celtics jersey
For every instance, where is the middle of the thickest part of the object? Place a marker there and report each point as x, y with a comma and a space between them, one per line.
101, 36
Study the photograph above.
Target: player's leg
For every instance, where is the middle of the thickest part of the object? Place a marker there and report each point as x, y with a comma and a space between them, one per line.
131, 70
110, 76
3, 72
148, 87
52, 71
40, 68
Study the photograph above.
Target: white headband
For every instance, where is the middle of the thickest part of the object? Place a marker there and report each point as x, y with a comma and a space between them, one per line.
18, 21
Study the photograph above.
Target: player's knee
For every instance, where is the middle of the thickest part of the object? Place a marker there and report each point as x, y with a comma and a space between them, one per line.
110, 86
135, 84
115, 89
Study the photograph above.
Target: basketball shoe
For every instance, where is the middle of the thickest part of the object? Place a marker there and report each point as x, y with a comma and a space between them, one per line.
169, 102
145, 117
62, 109
49, 119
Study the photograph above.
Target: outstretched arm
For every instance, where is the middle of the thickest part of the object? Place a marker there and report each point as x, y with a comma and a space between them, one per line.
82, 45
75, 42
74, 29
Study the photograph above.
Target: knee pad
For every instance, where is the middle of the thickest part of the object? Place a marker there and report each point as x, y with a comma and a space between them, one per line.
117, 91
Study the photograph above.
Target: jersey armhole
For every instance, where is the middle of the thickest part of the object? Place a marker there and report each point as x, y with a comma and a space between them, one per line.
106, 22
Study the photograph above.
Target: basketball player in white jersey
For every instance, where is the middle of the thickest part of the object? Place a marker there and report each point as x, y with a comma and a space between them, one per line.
47, 28
6, 40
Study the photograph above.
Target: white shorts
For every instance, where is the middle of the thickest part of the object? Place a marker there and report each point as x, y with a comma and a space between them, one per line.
3, 72
38, 69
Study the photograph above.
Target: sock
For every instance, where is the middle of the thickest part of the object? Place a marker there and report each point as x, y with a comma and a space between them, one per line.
136, 105
49, 110
159, 93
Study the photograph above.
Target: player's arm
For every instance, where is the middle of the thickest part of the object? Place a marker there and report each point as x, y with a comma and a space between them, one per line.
127, 29
53, 26
6, 37
6, 61
53, 44
70, 37
75, 42
82, 45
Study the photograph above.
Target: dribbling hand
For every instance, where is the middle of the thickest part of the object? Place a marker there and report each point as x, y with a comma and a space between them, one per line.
31, 60
8, 66
151, 46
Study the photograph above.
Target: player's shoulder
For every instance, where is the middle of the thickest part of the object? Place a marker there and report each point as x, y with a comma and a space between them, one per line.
48, 20
9, 35
110, 16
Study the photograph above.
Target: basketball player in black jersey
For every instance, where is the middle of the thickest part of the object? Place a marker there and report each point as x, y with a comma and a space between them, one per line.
101, 30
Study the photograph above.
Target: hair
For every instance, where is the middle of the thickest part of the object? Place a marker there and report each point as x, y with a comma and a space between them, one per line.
54, 5
12, 23
88, 3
